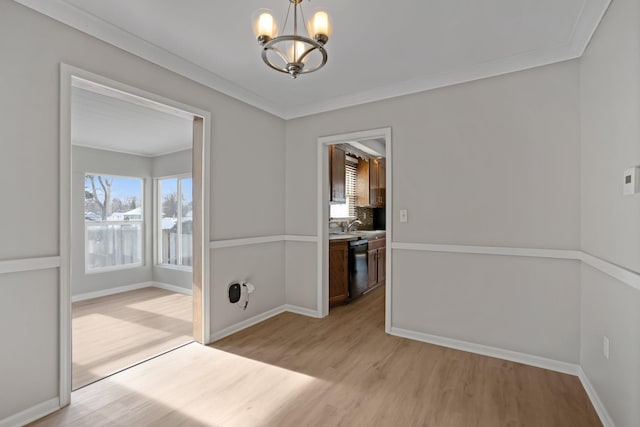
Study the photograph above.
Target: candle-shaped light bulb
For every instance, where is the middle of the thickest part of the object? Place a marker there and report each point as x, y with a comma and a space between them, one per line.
264, 25
320, 26
296, 51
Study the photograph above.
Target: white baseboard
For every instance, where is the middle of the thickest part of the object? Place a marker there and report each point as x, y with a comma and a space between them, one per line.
605, 418
230, 330
172, 288
500, 353
31, 414
112, 291
301, 310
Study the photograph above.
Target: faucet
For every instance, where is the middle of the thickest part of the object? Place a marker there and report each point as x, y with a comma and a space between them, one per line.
352, 223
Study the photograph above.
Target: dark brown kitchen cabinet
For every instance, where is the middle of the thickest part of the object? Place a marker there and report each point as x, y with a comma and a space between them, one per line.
362, 183
371, 183
377, 182
337, 175
376, 258
338, 272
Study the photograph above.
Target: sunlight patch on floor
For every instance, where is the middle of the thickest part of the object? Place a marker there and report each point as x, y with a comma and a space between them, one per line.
204, 374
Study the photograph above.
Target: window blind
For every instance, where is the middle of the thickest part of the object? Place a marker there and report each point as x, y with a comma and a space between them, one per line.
351, 179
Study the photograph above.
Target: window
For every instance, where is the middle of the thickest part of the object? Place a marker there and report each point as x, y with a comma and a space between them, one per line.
348, 209
114, 222
175, 221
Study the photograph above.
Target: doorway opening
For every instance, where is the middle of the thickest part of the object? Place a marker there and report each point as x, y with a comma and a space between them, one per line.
354, 230
134, 185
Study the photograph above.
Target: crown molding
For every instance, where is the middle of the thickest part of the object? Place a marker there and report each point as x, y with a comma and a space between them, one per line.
102, 30
584, 28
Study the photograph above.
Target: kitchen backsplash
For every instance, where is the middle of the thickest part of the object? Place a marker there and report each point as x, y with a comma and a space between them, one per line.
366, 216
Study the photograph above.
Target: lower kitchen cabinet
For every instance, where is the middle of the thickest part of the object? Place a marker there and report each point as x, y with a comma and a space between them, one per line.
377, 262
338, 272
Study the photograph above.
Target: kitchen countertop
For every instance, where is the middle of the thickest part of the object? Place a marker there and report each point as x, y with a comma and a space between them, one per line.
357, 235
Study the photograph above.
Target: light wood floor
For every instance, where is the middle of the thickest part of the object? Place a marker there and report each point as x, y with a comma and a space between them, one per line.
113, 332
341, 370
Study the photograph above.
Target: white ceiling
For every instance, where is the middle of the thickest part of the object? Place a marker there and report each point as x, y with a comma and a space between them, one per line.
111, 123
379, 49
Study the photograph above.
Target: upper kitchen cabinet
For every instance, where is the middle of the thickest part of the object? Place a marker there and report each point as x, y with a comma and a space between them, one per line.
372, 183
377, 182
362, 183
337, 175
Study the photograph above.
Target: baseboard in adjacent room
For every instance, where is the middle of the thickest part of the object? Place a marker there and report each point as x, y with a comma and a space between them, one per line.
172, 288
499, 353
111, 291
606, 419
31, 414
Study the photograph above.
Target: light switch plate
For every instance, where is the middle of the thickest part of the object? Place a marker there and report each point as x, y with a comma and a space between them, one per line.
631, 183
605, 347
403, 215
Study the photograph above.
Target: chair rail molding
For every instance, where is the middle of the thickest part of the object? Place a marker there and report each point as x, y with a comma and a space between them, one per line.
29, 264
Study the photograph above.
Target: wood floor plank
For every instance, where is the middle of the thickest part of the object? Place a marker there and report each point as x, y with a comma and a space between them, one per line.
113, 332
341, 370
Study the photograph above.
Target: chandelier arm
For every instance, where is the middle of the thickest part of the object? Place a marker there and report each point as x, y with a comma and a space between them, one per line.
307, 52
279, 52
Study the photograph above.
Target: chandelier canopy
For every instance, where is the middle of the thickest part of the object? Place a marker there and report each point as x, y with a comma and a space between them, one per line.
296, 52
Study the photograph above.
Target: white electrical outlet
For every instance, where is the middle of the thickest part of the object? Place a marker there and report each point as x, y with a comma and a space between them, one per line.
605, 347
403, 215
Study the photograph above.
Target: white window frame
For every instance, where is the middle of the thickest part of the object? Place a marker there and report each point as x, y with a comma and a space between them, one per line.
142, 222
157, 214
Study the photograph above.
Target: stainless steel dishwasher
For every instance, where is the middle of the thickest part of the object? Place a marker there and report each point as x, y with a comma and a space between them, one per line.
358, 268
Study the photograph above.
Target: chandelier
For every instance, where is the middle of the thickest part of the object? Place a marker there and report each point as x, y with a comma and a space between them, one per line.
296, 52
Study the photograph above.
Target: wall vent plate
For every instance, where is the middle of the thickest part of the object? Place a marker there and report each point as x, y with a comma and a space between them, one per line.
235, 292
631, 181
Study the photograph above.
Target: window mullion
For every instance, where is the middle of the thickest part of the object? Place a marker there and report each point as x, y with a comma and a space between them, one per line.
179, 236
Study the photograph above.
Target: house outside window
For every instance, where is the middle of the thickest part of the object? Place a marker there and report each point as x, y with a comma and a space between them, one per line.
114, 222
175, 222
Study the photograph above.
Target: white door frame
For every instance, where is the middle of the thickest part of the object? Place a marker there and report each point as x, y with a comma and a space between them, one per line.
323, 214
67, 73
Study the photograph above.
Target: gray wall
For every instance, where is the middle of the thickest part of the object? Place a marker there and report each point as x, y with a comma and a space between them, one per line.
32, 47
610, 109
89, 160
178, 163
492, 163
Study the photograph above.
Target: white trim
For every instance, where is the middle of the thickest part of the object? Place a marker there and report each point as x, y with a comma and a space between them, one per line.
300, 238
219, 244
31, 414
230, 330
623, 275
605, 418
322, 214
76, 18
110, 291
67, 75
172, 288
587, 25
513, 356
247, 241
29, 264
573, 47
65, 188
488, 250
302, 311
